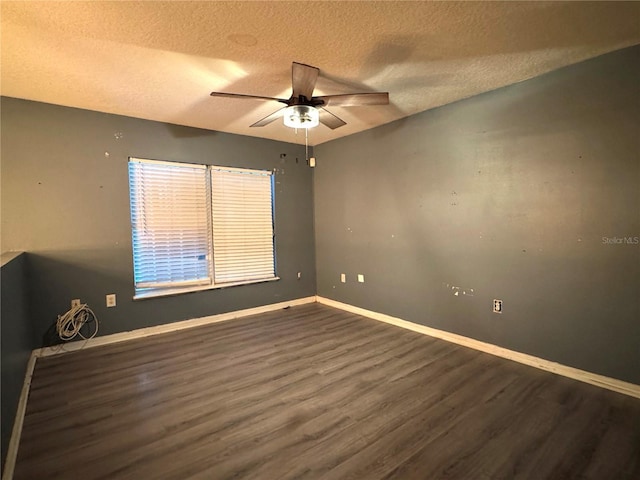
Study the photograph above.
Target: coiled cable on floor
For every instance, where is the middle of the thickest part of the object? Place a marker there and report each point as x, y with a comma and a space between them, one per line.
70, 324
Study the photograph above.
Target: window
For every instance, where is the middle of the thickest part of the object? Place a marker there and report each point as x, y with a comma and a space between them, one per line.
197, 226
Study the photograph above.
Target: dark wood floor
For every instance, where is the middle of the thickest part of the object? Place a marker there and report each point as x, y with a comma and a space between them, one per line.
316, 393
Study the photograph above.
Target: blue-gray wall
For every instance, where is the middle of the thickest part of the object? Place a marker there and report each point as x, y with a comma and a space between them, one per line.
65, 200
508, 195
16, 341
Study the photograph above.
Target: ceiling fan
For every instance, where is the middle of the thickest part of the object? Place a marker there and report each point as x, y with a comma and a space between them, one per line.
303, 110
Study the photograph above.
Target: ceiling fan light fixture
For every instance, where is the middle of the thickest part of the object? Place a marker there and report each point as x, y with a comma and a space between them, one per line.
301, 116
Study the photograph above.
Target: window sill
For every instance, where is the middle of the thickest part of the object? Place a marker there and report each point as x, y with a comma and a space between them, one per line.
166, 292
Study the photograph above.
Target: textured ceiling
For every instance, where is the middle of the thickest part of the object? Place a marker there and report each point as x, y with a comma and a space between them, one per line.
160, 60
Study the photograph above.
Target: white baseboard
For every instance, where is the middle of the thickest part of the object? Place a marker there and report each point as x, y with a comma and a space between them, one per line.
168, 327
619, 386
14, 441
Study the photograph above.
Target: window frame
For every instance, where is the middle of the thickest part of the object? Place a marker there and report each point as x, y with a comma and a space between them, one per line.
153, 292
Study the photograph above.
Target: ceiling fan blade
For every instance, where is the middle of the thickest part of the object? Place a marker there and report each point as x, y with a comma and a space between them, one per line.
303, 79
354, 99
330, 120
272, 117
240, 95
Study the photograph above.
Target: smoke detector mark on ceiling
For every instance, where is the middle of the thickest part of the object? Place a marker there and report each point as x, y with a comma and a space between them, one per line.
243, 39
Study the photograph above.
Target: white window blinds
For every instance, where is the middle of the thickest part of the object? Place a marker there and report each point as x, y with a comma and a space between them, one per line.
195, 226
170, 224
242, 213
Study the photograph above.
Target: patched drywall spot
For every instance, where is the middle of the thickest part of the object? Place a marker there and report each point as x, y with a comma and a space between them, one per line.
459, 291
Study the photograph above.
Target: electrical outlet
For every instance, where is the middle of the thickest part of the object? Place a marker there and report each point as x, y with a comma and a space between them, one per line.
497, 306
111, 300
361, 278
75, 302
299, 275
343, 278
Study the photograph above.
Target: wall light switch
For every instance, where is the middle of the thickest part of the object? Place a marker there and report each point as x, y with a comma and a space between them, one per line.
361, 278
343, 278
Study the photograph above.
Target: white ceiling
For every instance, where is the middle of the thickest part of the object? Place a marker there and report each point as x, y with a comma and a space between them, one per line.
160, 60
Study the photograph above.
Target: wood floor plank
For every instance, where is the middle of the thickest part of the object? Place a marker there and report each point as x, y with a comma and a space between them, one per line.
318, 393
